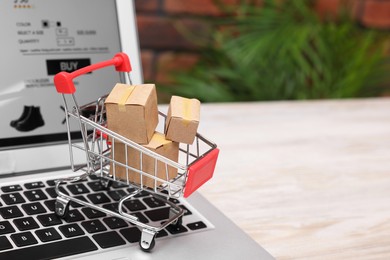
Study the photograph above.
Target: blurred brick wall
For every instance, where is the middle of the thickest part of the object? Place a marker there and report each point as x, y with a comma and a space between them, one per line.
165, 49
369, 13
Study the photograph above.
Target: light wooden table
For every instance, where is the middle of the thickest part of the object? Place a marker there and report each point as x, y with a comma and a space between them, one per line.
306, 180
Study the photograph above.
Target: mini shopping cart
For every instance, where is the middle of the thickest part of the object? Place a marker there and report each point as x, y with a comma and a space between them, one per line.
195, 167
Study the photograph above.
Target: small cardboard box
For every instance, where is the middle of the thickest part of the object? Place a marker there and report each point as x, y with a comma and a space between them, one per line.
182, 119
132, 111
157, 144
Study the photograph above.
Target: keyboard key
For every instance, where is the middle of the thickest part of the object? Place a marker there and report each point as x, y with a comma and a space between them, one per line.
78, 188
73, 216
134, 205
25, 223
141, 194
176, 201
196, 225
96, 185
93, 226
78, 205
50, 219
48, 234
34, 195
50, 204
118, 185
52, 191
114, 222
10, 212
112, 206
4, 244
176, 229
162, 233
94, 177
6, 227
51, 182
93, 213
186, 211
108, 239
23, 239
131, 234
98, 198
153, 202
141, 217
34, 185
33, 208
54, 250
158, 214
116, 194
63, 190
12, 198
71, 230
11, 188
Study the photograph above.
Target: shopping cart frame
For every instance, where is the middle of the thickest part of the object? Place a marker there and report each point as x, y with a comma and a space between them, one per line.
98, 143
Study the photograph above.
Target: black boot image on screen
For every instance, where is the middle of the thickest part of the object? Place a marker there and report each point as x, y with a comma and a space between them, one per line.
30, 119
25, 112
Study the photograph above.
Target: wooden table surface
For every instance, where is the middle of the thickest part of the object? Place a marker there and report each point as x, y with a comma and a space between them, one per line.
306, 180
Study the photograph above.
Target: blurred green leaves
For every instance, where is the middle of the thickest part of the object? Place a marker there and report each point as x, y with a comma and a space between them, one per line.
285, 51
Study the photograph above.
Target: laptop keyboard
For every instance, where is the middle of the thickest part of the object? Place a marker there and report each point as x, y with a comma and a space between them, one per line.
30, 227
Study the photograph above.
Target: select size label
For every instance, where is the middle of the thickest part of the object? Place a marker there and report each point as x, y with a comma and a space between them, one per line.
68, 65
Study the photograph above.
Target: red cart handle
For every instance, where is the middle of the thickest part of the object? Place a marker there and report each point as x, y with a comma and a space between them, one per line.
64, 80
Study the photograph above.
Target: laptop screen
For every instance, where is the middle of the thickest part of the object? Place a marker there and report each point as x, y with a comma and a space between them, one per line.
43, 37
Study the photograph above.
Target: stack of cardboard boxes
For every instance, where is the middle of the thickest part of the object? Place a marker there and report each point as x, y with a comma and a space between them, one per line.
132, 112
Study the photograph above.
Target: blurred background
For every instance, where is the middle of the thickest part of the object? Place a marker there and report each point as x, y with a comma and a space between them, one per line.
237, 50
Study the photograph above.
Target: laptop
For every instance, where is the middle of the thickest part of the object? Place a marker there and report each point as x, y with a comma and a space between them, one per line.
41, 38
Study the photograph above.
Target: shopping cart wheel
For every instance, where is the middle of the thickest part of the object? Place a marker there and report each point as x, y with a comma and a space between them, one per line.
61, 206
147, 241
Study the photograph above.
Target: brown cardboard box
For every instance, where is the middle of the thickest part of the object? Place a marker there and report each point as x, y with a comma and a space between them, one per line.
157, 144
182, 119
132, 111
